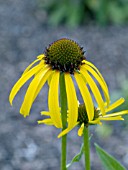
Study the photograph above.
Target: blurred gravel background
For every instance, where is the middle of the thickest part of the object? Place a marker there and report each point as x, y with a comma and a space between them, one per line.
24, 34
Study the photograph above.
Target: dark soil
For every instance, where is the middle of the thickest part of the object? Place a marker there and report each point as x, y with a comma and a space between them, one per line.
24, 34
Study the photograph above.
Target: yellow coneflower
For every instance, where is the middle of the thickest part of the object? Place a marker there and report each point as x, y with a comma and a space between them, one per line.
67, 57
98, 116
83, 120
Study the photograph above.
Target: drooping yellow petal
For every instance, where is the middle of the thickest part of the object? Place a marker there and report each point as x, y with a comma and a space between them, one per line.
72, 105
22, 81
94, 89
45, 113
49, 79
53, 100
100, 81
80, 131
29, 98
124, 112
46, 121
86, 96
92, 65
71, 101
64, 132
40, 57
115, 104
111, 118
96, 121
49, 73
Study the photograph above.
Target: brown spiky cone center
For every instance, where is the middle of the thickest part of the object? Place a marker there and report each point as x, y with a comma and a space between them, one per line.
64, 55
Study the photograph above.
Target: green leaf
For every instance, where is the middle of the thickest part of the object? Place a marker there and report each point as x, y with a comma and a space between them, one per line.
116, 13
57, 15
75, 14
77, 157
107, 160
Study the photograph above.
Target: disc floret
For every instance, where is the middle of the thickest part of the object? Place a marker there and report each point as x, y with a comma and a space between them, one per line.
83, 117
64, 55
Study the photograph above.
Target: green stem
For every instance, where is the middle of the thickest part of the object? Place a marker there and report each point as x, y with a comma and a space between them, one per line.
87, 149
63, 101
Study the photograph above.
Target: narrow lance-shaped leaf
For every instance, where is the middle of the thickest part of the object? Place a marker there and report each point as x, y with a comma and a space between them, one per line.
77, 157
108, 161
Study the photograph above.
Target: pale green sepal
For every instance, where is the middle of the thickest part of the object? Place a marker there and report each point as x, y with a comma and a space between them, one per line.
108, 161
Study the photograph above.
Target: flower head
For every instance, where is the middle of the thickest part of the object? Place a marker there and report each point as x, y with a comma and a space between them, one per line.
66, 57
83, 120
98, 117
